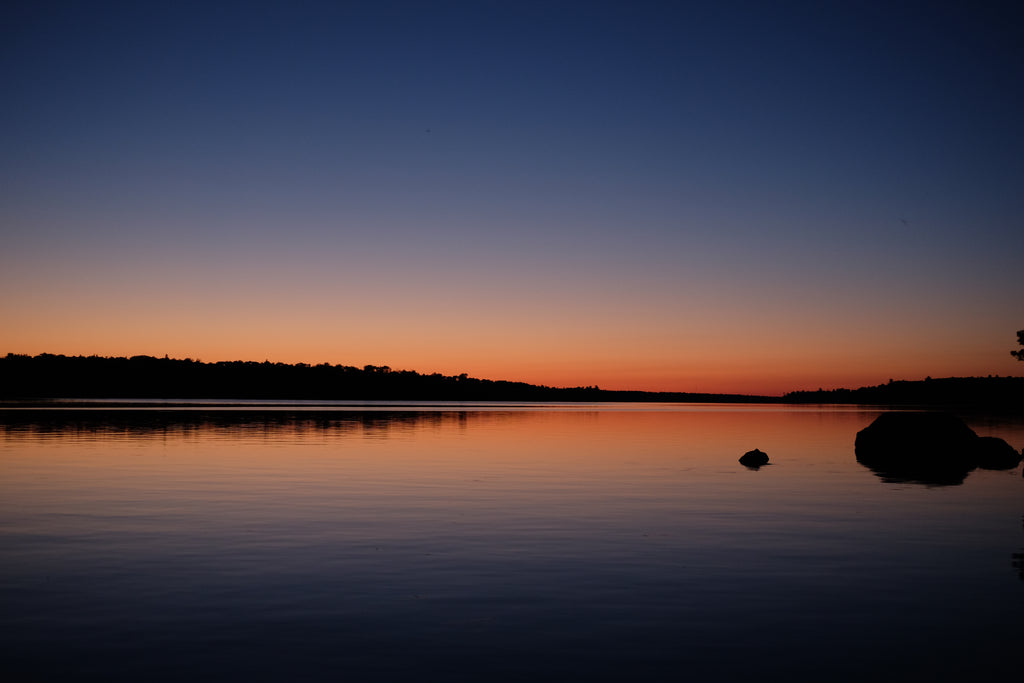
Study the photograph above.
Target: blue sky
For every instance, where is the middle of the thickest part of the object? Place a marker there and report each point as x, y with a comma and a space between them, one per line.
637, 185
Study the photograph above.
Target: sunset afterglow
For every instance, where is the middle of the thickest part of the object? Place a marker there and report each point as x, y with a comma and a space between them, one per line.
700, 197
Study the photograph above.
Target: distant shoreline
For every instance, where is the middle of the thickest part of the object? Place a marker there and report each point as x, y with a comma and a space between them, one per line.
49, 376
50, 380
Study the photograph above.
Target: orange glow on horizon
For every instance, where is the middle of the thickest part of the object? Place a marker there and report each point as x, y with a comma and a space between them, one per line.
616, 340
704, 374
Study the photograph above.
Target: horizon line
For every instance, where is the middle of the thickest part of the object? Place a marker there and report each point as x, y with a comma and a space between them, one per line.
386, 369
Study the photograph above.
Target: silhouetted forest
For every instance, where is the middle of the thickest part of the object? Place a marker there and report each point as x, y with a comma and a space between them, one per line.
1006, 392
49, 376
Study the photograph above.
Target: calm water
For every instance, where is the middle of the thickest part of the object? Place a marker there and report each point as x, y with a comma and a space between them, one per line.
494, 543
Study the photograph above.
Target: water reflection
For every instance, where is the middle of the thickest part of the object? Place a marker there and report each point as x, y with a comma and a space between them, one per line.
934, 475
486, 545
937, 475
41, 424
1018, 559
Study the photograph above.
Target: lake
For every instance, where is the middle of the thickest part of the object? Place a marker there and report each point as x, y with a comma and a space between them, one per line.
494, 542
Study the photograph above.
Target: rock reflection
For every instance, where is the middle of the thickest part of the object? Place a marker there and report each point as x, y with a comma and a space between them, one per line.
926, 476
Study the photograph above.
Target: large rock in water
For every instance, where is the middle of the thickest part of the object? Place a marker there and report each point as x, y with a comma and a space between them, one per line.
930, 448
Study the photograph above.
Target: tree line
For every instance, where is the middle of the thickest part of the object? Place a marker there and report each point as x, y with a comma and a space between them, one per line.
988, 392
48, 376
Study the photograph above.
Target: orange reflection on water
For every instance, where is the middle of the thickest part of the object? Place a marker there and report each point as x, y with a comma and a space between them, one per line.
125, 460
439, 457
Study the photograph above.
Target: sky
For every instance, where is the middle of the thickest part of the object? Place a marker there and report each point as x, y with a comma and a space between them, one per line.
750, 197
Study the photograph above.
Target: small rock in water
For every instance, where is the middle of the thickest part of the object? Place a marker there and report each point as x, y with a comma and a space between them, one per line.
994, 453
754, 459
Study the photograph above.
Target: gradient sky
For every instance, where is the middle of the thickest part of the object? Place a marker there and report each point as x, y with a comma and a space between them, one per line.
693, 196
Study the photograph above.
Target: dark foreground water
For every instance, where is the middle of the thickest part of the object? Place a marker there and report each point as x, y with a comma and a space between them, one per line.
485, 543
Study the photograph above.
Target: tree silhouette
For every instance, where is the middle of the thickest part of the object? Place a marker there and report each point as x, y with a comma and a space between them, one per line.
1019, 355
48, 376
